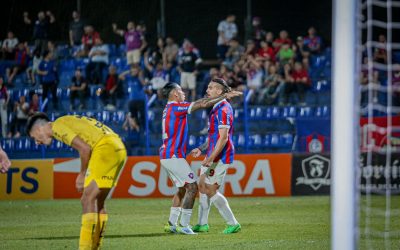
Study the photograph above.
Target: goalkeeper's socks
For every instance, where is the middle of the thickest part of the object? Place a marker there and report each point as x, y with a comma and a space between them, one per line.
204, 209
185, 218
222, 205
100, 230
89, 222
174, 215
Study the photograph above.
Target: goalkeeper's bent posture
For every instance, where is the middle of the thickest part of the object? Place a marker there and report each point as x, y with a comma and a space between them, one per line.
102, 154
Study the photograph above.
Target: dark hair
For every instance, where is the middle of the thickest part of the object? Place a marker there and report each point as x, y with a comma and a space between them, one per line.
168, 87
222, 82
31, 121
45, 53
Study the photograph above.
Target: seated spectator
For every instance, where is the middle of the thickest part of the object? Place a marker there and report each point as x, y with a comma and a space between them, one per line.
48, 72
31, 72
296, 80
158, 75
88, 41
380, 53
266, 52
78, 89
238, 81
285, 54
20, 62
269, 37
51, 46
20, 117
137, 97
188, 63
254, 73
111, 90
235, 52
251, 48
134, 41
76, 27
34, 104
283, 38
98, 56
171, 51
4, 98
301, 51
8, 46
312, 41
271, 88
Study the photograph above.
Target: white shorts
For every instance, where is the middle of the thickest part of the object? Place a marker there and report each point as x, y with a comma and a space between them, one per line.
188, 80
179, 171
216, 173
133, 56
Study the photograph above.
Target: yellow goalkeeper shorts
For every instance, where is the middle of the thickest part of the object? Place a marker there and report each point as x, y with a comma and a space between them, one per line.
106, 162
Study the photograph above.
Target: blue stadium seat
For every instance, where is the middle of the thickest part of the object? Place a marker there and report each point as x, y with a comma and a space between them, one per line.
241, 140
118, 117
7, 145
255, 141
256, 113
286, 140
289, 112
275, 140
67, 65
272, 112
22, 144
305, 112
322, 111
201, 139
238, 113
192, 141
266, 141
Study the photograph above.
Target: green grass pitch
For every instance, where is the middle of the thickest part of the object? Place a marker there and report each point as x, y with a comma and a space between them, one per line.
267, 223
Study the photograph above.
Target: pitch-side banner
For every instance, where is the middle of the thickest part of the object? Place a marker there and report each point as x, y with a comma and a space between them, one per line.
250, 175
27, 180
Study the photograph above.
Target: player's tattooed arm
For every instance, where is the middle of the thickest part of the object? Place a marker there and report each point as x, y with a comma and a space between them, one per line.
209, 102
203, 147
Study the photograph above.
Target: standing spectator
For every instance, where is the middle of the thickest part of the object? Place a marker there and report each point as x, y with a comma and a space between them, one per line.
34, 104
171, 51
4, 98
137, 98
312, 41
48, 71
110, 92
266, 52
251, 48
188, 62
31, 72
20, 117
41, 32
380, 54
20, 62
88, 40
76, 27
257, 32
8, 46
158, 74
227, 30
78, 89
254, 73
26, 34
52, 26
134, 41
98, 56
234, 52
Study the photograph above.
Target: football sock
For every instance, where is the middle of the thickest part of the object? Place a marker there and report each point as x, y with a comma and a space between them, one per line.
174, 215
88, 227
100, 229
222, 205
204, 209
185, 218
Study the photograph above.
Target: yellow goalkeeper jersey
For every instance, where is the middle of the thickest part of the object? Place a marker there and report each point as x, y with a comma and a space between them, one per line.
91, 131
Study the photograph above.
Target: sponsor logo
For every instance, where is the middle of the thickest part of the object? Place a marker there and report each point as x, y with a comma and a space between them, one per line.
316, 170
182, 108
191, 176
105, 177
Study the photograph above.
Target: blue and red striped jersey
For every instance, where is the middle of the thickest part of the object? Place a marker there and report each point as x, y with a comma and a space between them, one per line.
175, 130
221, 116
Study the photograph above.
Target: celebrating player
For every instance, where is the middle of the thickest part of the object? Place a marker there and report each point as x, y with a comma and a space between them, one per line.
220, 153
102, 156
173, 152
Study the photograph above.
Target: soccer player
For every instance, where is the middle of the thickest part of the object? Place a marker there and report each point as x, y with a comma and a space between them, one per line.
173, 152
4, 161
102, 154
220, 153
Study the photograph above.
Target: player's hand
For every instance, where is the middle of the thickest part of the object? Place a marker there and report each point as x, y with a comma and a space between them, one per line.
196, 152
233, 93
4, 161
207, 162
79, 182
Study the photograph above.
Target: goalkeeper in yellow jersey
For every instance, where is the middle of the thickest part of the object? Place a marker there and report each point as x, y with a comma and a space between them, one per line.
102, 154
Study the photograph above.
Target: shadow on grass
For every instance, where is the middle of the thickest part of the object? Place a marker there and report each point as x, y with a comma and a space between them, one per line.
107, 236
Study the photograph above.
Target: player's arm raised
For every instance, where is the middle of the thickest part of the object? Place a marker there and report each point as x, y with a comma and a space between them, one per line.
84, 152
209, 102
